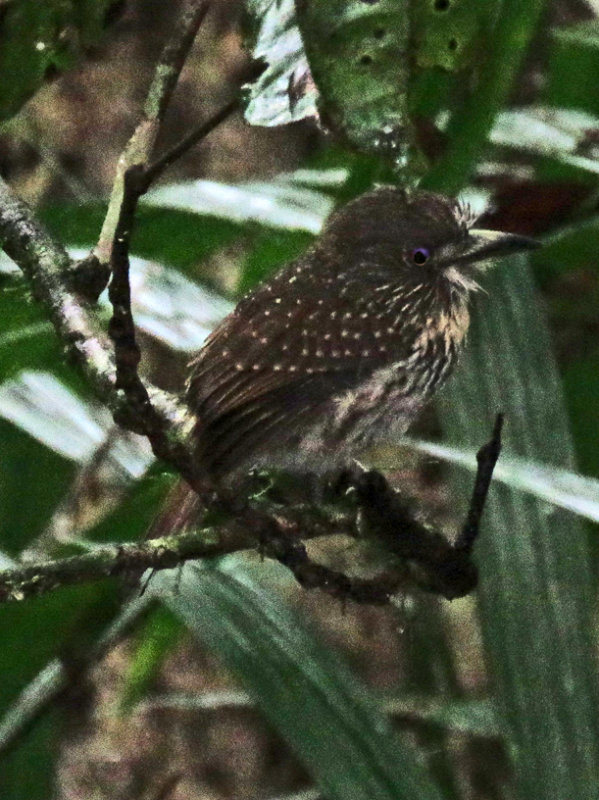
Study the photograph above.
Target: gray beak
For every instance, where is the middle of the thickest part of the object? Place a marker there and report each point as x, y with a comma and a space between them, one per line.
482, 245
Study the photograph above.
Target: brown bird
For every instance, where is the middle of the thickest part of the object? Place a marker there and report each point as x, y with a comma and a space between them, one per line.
341, 348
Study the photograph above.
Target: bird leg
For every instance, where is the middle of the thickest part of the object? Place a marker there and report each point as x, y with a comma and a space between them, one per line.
435, 564
486, 459
283, 543
424, 557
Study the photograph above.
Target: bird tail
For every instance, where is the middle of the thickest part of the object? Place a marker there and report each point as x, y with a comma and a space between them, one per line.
181, 511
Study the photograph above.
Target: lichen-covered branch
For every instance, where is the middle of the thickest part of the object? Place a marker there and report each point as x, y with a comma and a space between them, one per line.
141, 144
165, 552
420, 557
45, 263
115, 560
47, 267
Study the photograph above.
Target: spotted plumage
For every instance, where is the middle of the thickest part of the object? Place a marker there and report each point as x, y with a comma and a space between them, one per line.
341, 348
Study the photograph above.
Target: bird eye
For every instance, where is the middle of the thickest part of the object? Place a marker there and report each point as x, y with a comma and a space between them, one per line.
420, 255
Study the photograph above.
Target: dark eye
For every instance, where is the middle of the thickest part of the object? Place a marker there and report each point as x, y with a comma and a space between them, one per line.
420, 255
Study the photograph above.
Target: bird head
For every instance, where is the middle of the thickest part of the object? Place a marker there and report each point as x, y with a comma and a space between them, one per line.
425, 234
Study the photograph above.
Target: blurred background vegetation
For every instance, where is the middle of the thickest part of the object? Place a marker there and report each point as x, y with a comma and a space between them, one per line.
238, 684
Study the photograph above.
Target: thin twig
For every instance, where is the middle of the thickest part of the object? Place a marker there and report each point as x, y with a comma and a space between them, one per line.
155, 170
141, 144
486, 459
287, 547
132, 183
428, 560
168, 786
138, 408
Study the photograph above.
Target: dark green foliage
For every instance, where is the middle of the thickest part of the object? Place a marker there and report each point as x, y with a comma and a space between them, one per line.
357, 55
451, 33
303, 687
537, 590
38, 40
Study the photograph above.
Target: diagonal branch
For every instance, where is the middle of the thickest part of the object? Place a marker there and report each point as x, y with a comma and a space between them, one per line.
44, 262
47, 267
155, 170
141, 144
139, 410
60, 285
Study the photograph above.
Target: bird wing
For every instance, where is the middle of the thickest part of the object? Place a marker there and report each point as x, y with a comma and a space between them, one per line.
278, 357
231, 438
244, 398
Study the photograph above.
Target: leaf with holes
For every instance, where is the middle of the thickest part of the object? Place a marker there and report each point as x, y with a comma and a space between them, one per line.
449, 33
357, 54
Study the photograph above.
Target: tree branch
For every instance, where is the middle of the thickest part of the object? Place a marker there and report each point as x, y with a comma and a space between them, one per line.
47, 266
139, 407
133, 178
57, 281
45, 263
165, 552
486, 459
423, 558
141, 144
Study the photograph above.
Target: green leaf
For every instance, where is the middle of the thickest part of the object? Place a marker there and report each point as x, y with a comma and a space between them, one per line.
155, 642
585, 34
179, 238
536, 590
557, 486
303, 688
450, 33
39, 40
26, 337
358, 56
470, 125
558, 133
581, 383
39, 404
475, 717
573, 68
282, 202
270, 250
27, 771
471, 716
277, 42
